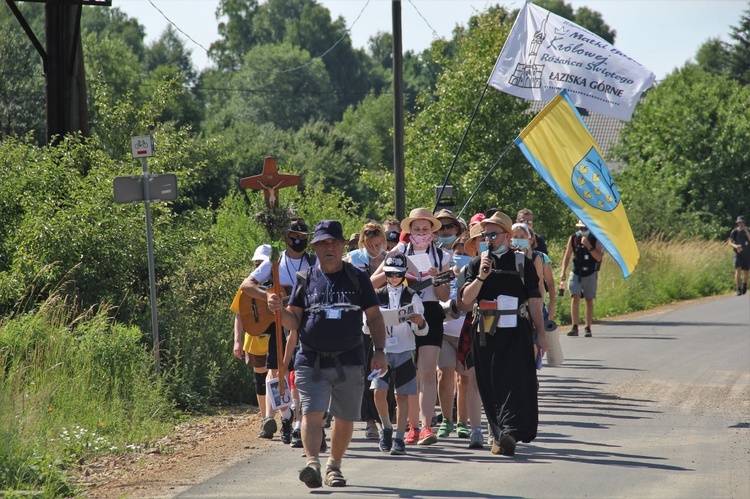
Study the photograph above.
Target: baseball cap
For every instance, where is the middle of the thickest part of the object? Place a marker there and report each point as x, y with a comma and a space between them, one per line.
328, 229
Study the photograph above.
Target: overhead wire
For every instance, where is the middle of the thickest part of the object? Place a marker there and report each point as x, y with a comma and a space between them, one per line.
290, 70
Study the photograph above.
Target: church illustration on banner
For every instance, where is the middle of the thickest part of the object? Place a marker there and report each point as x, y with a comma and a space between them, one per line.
529, 74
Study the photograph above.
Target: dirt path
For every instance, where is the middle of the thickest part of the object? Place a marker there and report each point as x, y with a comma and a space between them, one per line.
193, 452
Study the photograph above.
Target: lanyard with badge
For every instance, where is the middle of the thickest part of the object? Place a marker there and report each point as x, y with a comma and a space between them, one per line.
331, 313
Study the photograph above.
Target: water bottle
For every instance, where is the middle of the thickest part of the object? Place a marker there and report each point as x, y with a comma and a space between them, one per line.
561, 289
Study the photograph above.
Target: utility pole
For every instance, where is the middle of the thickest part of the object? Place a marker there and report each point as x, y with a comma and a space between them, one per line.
67, 107
398, 113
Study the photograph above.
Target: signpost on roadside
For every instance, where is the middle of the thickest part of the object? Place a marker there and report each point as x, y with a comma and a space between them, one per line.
147, 188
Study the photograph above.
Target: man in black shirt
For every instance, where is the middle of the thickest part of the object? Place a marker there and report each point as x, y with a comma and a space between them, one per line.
504, 288
739, 240
326, 310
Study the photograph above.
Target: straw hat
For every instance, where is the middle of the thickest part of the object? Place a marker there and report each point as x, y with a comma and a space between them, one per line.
475, 231
420, 214
500, 219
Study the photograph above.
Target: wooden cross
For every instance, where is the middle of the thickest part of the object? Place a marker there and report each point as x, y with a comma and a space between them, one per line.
269, 181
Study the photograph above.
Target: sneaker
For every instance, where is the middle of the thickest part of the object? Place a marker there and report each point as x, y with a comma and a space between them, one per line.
507, 445
744, 288
739, 291
446, 427
427, 437
412, 437
323, 444
588, 332
286, 429
267, 428
398, 448
371, 431
462, 431
476, 439
490, 440
573, 331
296, 442
310, 475
386, 439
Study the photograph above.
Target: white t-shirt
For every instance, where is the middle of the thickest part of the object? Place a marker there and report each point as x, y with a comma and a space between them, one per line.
288, 268
428, 294
400, 338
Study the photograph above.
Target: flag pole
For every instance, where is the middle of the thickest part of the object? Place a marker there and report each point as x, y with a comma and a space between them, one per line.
460, 145
485, 178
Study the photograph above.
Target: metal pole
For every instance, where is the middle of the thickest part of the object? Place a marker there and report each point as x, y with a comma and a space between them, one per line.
398, 114
151, 270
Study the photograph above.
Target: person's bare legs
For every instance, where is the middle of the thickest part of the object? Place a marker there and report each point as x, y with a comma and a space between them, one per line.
312, 433
462, 407
446, 387
589, 306
428, 357
575, 304
341, 436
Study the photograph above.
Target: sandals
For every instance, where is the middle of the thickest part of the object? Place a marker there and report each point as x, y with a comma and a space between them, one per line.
334, 478
310, 475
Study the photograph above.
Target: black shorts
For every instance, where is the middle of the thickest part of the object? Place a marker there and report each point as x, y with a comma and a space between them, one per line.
434, 316
742, 260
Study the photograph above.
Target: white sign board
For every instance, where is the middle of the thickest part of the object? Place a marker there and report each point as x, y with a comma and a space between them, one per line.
142, 147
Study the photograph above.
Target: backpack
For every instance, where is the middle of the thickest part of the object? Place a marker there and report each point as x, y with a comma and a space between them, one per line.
579, 254
520, 263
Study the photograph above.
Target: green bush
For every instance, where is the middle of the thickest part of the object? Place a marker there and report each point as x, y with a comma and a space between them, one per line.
667, 271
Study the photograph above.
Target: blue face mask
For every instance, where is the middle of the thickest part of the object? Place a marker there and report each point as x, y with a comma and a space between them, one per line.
447, 240
499, 251
461, 261
583, 233
520, 243
483, 246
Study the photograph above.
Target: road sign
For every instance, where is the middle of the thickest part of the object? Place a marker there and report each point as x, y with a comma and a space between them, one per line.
142, 146
160, 188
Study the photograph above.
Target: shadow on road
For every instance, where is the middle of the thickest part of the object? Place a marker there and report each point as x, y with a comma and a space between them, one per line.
565, 401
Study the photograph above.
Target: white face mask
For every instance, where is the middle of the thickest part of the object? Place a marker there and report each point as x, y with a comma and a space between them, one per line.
583, 233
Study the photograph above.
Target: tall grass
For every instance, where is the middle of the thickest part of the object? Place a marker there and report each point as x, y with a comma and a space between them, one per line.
667, 271
71, 386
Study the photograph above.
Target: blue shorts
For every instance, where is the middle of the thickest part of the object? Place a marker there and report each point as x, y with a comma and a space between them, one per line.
326, 392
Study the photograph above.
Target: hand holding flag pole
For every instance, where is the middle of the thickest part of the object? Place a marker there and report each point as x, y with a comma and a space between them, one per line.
274, 219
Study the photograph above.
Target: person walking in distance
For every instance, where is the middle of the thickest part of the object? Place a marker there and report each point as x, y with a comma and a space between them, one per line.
587, 254
739, 240
326, 308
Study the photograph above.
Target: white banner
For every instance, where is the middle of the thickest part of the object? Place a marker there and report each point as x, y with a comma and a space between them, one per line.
545, 53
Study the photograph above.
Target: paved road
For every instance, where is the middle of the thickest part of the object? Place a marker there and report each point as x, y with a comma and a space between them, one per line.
655, 406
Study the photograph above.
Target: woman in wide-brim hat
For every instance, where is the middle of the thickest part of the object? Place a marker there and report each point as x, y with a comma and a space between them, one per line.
421, 224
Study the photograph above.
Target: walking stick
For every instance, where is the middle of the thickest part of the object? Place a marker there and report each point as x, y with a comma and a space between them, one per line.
274, 219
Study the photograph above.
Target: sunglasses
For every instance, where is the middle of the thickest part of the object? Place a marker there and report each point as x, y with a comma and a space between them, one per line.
492, 235
449, 226
395, 274
372, 232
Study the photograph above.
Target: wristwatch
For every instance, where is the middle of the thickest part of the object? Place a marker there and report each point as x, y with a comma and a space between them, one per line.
380, 349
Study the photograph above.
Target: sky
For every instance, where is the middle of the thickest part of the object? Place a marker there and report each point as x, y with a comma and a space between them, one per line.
660, 34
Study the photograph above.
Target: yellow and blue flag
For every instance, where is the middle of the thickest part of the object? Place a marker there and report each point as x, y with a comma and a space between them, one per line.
560, 147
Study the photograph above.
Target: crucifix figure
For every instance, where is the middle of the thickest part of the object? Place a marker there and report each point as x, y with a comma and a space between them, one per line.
269, 181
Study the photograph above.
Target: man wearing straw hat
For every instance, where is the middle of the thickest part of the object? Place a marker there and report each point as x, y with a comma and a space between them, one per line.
503, 288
